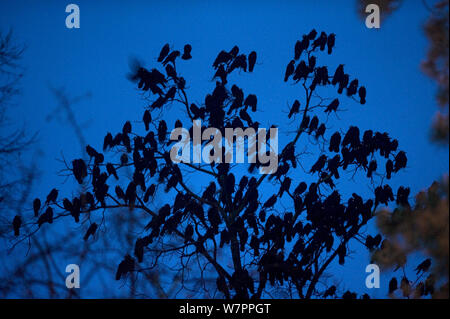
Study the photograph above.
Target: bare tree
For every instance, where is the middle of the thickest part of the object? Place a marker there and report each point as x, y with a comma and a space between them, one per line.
223, 231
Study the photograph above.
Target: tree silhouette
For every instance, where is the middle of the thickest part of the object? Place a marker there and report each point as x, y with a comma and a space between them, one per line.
253, 233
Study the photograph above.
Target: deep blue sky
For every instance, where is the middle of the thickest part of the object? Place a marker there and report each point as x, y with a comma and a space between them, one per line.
95, 57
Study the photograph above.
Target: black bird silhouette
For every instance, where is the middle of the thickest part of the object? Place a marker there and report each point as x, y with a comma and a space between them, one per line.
119, 192
289, 70
372, 168
301, 188
352, 88
312, 34
107, 141
46, 217
111, 170
17, 222
332, 107
251, 101
164, 52
313, 124
171, 57
270, 202
126, 265
320, 131
320, 42
126, 129
162, 131
188, 233
294, 109
147, 118
338, 76
234, 51
424, 266
400, 161
362, 95
389, 169
335, 141
187, 52
79, 170
393, 285
251, 61
318, 166
222, 57
52, 196
330, 42
91, 231
36, 206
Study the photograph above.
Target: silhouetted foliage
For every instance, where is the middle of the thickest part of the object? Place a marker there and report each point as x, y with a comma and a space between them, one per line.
286, 237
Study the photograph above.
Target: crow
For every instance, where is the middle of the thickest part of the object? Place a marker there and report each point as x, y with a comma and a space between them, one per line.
251, 61
139, 249
338, 75
234, 51
320, 42
270, 202
107, 141
301, 71
285, 185
372, 168
289, 70
36, 206
301, 188
222, 57
312, 35
171, 57
352, 88
52, 196
424, 266
343, 83
362, 94
164, 52
320, 131
330, 42
150, 192
46, 217
251, 101
400, 161
125, 266
67, 204
318, 166
187, 52
17, 222
389, 169
294, 109
126, 129
162, 131
313, 124
188, 233
91, 231
332, 106
393, 285
245, 116
333, 165
111, 170
335, 141
147, 118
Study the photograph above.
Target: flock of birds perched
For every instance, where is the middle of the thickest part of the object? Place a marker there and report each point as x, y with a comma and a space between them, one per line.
233, 209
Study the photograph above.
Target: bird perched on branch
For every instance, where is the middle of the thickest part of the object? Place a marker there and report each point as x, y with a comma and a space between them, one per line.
187, 52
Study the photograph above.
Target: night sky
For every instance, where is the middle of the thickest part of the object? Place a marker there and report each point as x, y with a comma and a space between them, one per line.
92, 62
